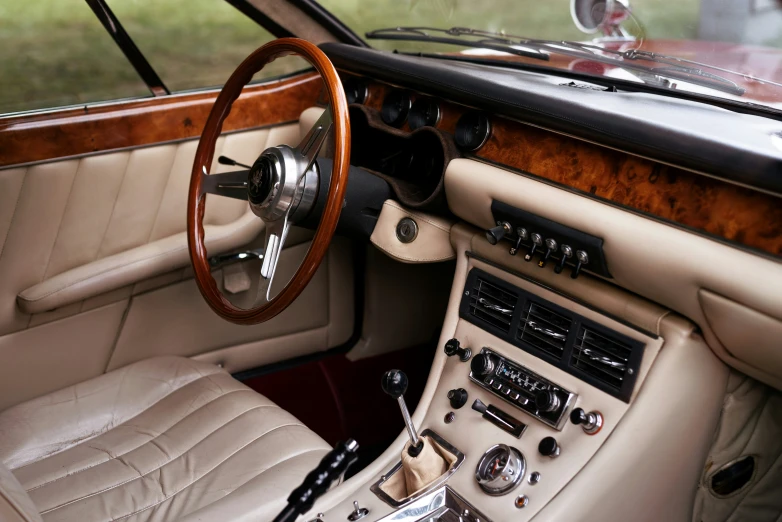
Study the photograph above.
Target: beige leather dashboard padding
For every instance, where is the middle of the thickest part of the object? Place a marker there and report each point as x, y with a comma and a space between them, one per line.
431, 245
749, 426
750, 336
658, 261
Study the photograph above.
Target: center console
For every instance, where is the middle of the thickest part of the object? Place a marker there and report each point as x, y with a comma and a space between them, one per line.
559, 401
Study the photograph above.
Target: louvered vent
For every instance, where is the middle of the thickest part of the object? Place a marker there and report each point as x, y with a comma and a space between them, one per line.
600, 357
544, 329
492, 304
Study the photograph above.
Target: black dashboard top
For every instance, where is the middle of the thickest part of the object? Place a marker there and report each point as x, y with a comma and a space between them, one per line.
736, 147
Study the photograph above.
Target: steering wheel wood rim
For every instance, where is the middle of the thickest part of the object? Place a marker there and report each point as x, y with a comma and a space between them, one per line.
196, 203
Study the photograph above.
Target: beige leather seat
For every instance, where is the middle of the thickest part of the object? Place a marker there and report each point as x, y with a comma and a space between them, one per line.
161, 439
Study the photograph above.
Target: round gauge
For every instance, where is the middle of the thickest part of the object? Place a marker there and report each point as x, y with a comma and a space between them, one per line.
355, 90
396, 106
424, 112
500, 469
472, 130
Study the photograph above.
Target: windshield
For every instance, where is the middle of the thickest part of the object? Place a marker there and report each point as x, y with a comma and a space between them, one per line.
738, 42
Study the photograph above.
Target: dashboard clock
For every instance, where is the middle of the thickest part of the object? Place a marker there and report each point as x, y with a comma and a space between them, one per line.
424, 112
396, 107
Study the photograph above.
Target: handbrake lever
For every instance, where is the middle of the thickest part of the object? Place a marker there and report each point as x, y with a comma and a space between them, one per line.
319, 480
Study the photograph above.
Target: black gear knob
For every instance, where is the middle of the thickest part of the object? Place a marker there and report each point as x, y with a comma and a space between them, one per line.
394, 383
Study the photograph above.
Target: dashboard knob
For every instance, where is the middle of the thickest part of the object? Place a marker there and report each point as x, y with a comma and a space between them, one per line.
547, 401
457, 397
493, 235
521, 235
452, 347
482, 365
548, 447
590, 422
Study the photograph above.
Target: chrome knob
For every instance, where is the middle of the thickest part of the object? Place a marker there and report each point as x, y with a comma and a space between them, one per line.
537, 240
551, 247
567, 253
581, 259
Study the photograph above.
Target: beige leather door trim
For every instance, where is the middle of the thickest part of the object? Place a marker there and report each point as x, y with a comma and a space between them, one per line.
130, 267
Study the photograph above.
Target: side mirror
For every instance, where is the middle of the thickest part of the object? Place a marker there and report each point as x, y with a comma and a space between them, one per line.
591, 16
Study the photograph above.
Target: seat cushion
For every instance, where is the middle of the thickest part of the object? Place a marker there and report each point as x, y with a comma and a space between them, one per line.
156, 440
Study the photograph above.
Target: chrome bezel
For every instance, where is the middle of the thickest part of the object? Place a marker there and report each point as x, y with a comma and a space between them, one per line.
505, 482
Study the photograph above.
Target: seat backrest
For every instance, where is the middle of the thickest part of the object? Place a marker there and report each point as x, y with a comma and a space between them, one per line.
15, 504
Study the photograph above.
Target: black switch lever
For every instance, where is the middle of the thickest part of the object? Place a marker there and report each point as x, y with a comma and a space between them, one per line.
225, 160
581, 259
452, 347
551, 247
493, 235
567, 253
537, 241
521, 235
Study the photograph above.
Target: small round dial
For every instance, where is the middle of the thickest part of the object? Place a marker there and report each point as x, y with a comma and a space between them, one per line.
472, 131
395, 109
500, 469
424, 112
355, 90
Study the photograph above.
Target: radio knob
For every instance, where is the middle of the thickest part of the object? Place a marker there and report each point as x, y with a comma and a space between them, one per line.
482, 365
547, 401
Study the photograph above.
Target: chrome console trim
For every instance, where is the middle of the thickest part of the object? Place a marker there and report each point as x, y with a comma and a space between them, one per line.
435, 506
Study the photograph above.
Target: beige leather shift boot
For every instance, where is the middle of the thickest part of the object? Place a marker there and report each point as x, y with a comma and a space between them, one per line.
423, 469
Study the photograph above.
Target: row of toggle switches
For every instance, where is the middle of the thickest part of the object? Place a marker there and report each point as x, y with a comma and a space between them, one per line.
546, 246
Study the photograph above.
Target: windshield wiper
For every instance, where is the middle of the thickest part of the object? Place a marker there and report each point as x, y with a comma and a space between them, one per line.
673, 67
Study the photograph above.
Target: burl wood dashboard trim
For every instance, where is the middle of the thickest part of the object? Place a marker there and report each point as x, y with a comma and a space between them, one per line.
45, 136
695, 201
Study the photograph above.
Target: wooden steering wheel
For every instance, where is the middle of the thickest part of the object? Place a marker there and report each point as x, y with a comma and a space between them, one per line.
280, 187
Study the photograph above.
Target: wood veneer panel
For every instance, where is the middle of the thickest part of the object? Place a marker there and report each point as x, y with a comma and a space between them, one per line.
742, 215
696, 201
58, 134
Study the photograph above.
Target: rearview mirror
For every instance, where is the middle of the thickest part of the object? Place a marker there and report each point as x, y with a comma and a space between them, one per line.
591, 16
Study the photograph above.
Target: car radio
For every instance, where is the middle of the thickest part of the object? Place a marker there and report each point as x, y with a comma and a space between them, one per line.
521, 387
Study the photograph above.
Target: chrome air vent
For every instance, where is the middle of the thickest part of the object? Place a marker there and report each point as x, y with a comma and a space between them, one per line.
544, 329
492, 304
603, 358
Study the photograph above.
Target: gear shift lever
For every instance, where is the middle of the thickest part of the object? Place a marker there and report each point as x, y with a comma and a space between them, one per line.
394, 383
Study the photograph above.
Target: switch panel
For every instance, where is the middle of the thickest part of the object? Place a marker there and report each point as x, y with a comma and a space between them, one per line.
544, 241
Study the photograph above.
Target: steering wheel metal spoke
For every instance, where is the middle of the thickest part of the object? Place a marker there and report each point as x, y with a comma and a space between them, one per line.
276, 234
226, 184
310, 146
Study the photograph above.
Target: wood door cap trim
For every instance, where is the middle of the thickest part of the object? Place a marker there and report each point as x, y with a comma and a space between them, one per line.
77, 131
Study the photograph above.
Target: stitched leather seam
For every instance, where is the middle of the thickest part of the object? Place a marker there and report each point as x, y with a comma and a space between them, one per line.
172, 460
163, 193
109, 428
62, 218
16, 207
217, 466
113, 457
113, 206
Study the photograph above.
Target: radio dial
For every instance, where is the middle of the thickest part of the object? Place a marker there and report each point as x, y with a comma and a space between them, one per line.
547, 401
482, 365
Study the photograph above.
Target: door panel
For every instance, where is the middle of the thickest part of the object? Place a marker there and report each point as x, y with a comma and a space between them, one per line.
97, 248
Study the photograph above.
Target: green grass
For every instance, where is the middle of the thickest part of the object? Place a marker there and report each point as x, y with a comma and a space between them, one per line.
55, 52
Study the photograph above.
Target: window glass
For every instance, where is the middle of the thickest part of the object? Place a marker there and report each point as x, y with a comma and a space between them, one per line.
55, 53
193, 44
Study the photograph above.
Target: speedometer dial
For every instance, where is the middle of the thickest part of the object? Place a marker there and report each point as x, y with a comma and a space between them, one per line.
424, 112
472, 131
